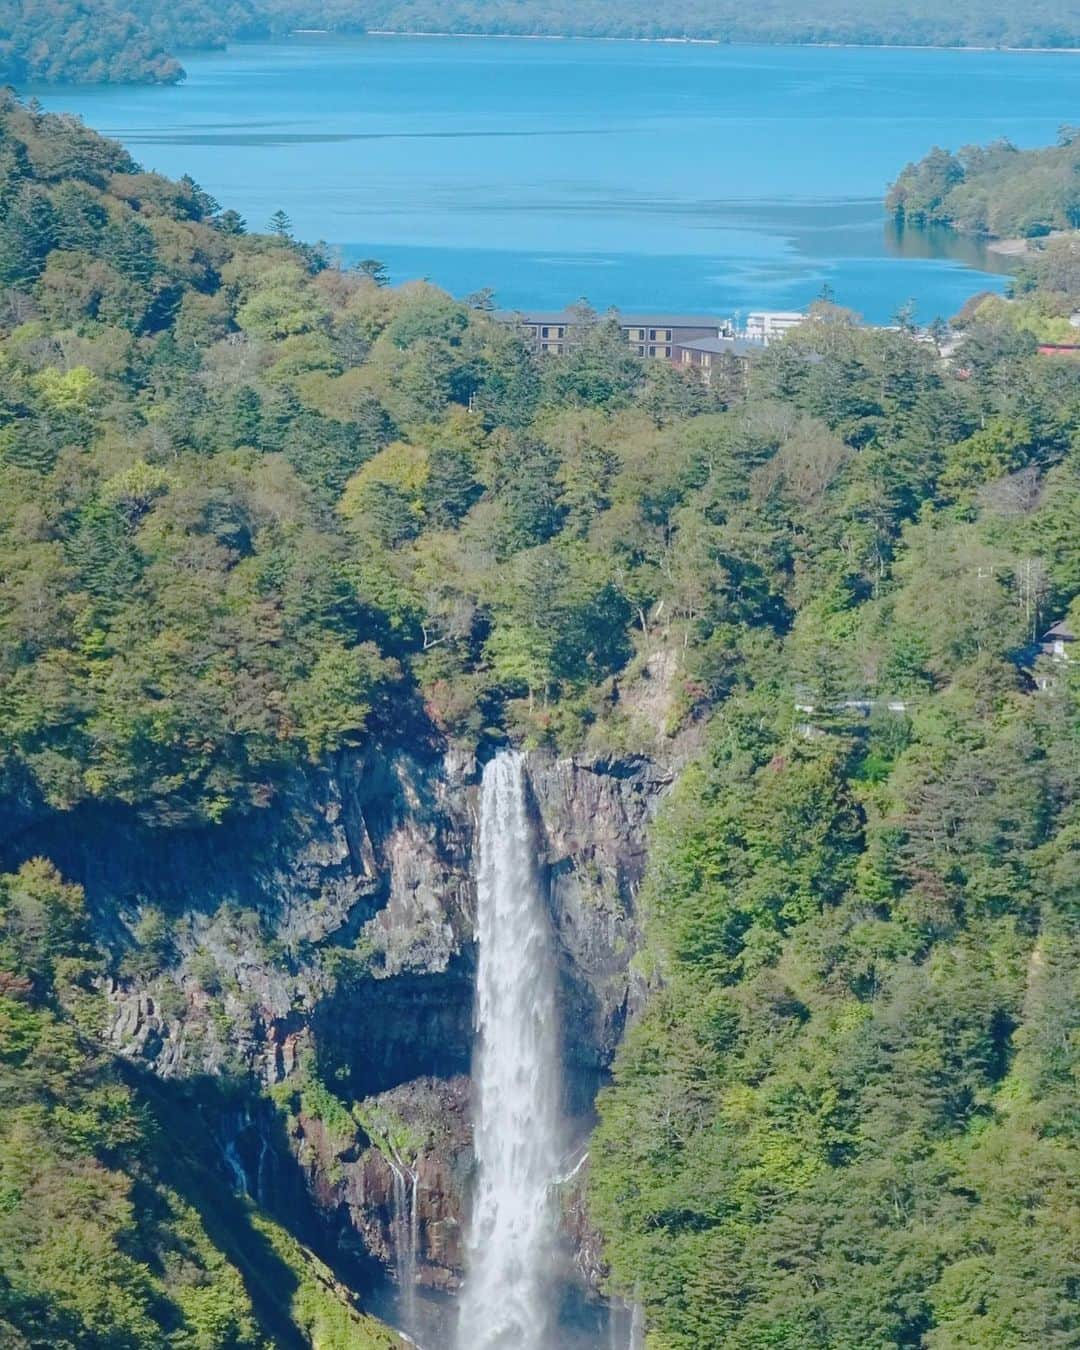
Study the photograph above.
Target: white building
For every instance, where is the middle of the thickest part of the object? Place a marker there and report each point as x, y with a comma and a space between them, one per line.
768, 325
1057, 640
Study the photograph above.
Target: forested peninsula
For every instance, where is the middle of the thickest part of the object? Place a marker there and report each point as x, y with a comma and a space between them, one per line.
96, 41
111, 41
994, 189
276, 539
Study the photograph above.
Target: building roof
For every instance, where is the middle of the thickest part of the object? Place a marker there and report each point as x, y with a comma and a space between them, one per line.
673, 321
721, 346
570, 316
1059, 632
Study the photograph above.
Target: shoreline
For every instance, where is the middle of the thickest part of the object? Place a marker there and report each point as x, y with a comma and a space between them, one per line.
1021, 247
1009, 248
683, 41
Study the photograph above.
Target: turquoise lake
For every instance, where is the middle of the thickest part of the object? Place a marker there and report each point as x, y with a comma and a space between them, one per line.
667, 176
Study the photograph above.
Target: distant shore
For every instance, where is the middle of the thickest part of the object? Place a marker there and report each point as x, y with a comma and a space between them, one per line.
685, 41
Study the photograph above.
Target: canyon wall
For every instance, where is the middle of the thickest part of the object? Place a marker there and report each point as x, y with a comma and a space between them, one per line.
321, 951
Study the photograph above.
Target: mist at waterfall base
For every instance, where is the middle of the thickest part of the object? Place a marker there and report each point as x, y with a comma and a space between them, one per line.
521, 1291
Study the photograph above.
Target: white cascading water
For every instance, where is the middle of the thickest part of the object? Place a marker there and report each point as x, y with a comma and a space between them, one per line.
406, 1239
518, 1135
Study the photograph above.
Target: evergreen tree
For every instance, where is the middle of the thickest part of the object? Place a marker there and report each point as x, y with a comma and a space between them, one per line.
28, 234
280, 224
102, 551
450, 488
528, 495
245, 417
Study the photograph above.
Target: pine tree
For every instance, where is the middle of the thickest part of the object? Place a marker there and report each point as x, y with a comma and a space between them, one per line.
374, 270
280, 224
107, 561
245, 418
28, 234
451, 487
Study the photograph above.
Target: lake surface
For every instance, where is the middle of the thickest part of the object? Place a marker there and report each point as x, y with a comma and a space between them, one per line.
680, 177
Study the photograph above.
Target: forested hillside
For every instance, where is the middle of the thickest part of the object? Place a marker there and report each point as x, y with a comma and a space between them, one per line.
255, 509
112, 41
1049, 23
849, 1116
137, 40
115, 1229
994, 189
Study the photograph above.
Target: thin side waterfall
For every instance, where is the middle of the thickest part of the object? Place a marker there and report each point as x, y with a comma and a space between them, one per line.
626, 1327
406, 1239
506, 1302
400, 1221
637, 1328
262, 1190
414, 1247
236, 1167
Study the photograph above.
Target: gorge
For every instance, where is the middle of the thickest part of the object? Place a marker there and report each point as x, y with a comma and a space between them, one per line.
337, 627
405, 857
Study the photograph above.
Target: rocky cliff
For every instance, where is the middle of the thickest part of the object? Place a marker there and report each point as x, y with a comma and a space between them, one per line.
318, 955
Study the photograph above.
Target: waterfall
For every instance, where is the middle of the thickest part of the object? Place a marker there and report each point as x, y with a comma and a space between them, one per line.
406, 1226
626, 1326
262, 1189
414, 1248
511, 1247
233, 1125
236, 1167
637, 1328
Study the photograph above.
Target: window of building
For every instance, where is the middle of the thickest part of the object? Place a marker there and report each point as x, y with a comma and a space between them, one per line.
636, 334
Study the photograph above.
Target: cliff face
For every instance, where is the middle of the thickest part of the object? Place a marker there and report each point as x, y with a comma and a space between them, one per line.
329, 940
594, 818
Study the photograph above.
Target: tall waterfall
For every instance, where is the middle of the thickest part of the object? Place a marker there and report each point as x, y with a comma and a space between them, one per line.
506, 1302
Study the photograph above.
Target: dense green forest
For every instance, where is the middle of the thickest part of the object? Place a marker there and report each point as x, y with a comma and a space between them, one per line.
994, 189
849, 1117
111, 41
1048, 23
115, 1230
137, 40
254, 508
